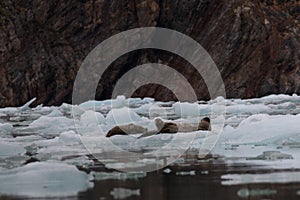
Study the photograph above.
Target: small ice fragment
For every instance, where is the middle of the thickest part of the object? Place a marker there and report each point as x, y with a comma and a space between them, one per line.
55, 113
275, 177
246, 193
5, 129
7, 150
122, 116
204, 172
123, 193
100, 176
91, 118
119, 102
122, 166
31, 149
69, 137
167, 171
52, 125
26, 105
186, 109
272, 155
185, 173
77, 111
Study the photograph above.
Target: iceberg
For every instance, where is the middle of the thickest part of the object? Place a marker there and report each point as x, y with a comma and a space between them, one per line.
121, 116
91, 118
44, 179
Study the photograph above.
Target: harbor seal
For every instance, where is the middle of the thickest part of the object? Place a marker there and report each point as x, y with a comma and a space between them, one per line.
204, 124
126, 130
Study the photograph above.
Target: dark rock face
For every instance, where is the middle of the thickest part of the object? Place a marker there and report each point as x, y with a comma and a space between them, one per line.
255, 44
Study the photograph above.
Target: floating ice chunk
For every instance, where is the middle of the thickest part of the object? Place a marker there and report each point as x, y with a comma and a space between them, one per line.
185, 173
119, 102
55, 113
167, 170
5, 129
157, 111
205, 109
251, 108
276, 177
154, 141
91, 118
253, 119
44, 179
92, 104
272, 155
65, 107
122, 116
123, 166
100, 176
285, 106
69, 137
10, 149
123, 193
83, 161
186, 109
266, 129
77, 111
143, 109
91, 131
148, 100
52, 125
246, 193
31, 149
26, 106
123, 141
280, 98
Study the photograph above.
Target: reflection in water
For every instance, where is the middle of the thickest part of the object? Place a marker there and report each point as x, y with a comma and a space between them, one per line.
200, 180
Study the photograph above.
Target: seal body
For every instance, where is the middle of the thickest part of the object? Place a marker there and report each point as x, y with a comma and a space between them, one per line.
204, 124
126, 130
162, 127
166, 127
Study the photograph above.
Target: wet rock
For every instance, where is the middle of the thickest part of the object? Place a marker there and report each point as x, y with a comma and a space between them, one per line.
255, 45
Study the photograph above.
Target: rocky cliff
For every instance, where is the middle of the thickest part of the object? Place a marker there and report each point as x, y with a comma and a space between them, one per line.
255, 44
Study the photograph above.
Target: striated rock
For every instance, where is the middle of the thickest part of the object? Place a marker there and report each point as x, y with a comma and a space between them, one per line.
255, 44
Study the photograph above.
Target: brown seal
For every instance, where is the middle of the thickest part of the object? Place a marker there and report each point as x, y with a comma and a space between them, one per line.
126, 130
204, 124
162, 127
170, 127
166, 127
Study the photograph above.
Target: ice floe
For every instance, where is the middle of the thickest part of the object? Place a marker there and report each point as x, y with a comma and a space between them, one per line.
275, 177
264, 132
123, 193
44, 179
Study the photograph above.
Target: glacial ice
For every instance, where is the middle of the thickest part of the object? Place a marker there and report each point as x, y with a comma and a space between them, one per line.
51, 126
264, 132
121, 116
5, 129
10, 149
123, 193
40, 179
91, 118
275, 177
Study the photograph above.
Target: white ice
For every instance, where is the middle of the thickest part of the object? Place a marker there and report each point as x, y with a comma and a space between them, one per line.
121, 116
275, 177
263, 131
40, 179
